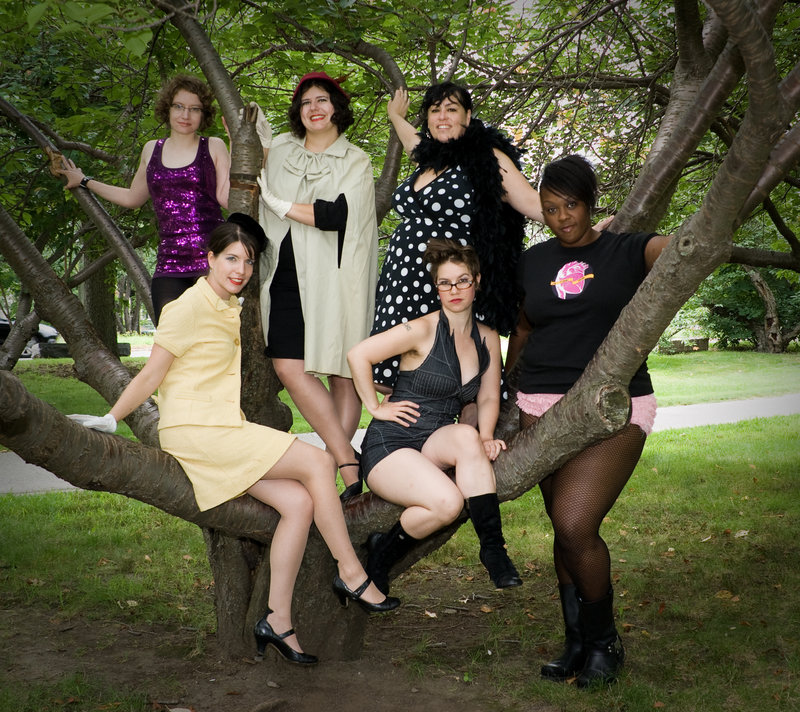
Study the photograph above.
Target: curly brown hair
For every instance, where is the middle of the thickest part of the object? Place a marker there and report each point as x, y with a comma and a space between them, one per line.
342, 117
440, 251
192, 85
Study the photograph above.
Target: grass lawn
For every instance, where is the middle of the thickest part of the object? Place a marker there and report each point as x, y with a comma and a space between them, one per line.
704, 546
706, 376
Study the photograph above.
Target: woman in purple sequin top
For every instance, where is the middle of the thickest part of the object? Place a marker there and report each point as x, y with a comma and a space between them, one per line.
186, 176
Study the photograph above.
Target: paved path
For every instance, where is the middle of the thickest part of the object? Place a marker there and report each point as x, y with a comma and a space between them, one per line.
18, 477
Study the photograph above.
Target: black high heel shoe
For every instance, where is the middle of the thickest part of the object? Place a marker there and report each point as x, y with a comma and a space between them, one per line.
352, 490
266, 635
341, 589
357, 487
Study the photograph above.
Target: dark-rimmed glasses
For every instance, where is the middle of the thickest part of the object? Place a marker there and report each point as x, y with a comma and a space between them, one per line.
444, 285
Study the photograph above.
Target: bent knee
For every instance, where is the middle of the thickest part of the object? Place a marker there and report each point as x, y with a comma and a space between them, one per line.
468, 440
448, 507
575, 537
321, 462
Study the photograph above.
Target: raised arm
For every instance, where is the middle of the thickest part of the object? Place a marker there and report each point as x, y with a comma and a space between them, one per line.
133, 197
397, 108
520, 194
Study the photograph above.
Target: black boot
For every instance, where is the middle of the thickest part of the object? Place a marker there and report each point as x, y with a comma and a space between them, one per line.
385, 550
573, 657
485, 513
604, 651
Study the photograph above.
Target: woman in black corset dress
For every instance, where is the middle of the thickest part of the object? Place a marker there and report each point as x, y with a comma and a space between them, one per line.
447, 359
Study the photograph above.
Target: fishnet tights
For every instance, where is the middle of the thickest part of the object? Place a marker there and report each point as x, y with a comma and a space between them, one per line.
577, 497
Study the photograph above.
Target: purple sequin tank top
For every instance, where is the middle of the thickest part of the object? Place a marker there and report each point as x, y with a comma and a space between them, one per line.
186, 207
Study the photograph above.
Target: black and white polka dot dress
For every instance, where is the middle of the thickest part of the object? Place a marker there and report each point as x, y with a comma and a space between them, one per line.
442, 209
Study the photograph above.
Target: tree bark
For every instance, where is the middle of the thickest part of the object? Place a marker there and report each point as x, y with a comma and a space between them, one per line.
98, 293
768, 332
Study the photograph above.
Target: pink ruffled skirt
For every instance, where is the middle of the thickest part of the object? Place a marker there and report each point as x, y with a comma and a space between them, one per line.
643, 408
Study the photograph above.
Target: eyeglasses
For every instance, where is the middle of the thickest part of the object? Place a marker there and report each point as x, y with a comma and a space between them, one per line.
444, 285
180, 108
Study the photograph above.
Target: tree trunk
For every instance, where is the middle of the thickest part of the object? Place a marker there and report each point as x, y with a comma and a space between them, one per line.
768, 333
98, 293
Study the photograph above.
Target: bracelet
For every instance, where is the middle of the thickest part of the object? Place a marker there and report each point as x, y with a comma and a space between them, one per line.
85, 180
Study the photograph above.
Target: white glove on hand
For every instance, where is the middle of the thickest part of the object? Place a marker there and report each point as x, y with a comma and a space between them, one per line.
274, 203
105, 424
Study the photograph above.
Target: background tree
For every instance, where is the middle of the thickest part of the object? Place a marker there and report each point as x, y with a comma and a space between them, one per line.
705, 104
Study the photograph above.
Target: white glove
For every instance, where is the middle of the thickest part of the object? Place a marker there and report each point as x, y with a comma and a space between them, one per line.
105, 424
263, 128
274, 203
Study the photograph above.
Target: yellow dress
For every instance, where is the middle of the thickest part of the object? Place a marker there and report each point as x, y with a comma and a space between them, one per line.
201, 424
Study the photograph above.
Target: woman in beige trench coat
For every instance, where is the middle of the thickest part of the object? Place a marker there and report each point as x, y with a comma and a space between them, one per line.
318, 278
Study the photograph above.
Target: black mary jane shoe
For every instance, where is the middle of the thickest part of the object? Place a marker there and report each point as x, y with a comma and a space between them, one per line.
357, 487
266, 635
352, 490
341, 589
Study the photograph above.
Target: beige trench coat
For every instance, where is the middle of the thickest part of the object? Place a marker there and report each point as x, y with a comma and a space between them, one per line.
338, 303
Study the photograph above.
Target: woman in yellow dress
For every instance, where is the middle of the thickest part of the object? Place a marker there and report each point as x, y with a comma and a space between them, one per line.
195, 365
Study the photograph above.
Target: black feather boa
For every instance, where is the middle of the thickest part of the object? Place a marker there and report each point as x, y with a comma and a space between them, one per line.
497, 230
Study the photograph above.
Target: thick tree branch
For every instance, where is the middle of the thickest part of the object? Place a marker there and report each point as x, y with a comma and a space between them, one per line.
111, 463
678, 138
763, 258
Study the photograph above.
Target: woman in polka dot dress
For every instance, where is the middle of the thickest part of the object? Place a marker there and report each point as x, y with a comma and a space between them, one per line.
467, 187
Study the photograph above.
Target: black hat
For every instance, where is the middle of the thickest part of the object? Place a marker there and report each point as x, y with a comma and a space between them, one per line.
251, 226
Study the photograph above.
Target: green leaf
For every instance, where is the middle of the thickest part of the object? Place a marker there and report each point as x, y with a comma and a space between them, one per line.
36, 12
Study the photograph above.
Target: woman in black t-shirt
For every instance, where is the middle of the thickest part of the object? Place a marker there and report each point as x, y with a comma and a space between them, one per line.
575, 286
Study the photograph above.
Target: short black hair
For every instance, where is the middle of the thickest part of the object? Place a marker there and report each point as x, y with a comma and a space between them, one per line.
571, 177
342, 117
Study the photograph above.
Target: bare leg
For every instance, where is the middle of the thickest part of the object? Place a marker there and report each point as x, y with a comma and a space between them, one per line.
431, 498
294, 504
318, 407
460, 446
415, 480
315, 470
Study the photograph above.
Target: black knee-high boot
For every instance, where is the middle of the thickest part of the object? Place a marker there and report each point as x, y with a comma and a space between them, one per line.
385, 550
604, 651
573, 657
484, 510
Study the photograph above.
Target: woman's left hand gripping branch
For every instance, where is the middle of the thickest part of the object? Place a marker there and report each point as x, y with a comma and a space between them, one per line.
493, 448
